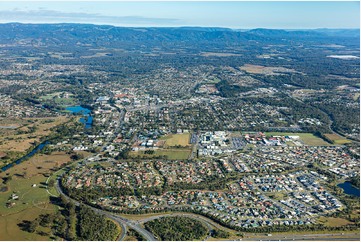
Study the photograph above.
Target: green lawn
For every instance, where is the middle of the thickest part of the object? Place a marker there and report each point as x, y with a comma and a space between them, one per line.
307, 138
58, 100
32, 202
176, 139
337, 139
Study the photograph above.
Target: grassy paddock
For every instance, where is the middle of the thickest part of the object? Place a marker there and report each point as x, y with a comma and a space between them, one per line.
172, 154
32, 201
337, 139
334, 222
12, 140
307, 138
176, 139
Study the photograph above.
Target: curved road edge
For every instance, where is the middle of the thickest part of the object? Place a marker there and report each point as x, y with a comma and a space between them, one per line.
123, 222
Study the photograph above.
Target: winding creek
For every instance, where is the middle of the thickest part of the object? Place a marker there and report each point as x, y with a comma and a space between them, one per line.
87, 119
27, 156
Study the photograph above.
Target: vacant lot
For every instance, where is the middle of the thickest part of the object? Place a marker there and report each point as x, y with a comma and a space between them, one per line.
336, 139
176, 140
334, 222
172, 154
307, 138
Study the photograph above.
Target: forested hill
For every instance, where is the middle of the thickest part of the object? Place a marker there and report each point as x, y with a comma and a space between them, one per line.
105, 35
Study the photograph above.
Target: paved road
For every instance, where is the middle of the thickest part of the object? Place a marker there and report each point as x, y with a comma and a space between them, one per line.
123, 222
330, 237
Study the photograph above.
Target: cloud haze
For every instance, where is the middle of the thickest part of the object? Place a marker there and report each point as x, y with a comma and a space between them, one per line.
51, 16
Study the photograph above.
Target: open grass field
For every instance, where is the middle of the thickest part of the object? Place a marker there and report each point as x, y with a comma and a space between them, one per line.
32, 201
307, 138
9, 230
176, 139
337, 139
172, 154
334, 222
356, 96
28, 131
265, 70
56, 97
208, 54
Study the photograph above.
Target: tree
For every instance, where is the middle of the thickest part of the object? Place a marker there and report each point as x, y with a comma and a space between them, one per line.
51, 183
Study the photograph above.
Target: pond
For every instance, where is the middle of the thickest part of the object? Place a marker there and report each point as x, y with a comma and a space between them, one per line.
349, 189
78, 110
87, 119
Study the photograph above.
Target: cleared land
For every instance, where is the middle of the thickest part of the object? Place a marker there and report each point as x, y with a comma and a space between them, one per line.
172, 154
307, 138
29, 130
356, 96
337, 139
265, 70
207, 54
334, 222
32, 201
176, 140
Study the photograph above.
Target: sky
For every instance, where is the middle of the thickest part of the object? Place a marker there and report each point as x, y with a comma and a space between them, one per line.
238, 15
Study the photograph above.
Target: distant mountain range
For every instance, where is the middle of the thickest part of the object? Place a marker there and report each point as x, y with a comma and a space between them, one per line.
63, 34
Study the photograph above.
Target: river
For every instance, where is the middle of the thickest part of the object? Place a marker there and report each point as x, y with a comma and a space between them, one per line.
27, 156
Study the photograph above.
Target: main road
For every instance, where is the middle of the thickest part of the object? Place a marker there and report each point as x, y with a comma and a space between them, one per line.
123, 222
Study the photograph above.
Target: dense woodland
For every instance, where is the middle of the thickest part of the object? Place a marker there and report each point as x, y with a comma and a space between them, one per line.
177, 229
73, 223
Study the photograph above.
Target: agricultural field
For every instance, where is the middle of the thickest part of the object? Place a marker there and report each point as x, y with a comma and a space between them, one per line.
265, 70
172, 154
32, 201
337, 139
307, 138
28, 131
176, 140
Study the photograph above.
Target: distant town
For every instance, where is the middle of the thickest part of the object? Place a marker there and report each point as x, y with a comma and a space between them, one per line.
253, 137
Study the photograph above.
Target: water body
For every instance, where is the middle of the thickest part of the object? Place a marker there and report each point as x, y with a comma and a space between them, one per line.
27, 156
349, 189
87, 119
78, 110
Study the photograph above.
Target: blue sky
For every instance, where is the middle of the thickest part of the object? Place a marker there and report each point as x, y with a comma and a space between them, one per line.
242, 15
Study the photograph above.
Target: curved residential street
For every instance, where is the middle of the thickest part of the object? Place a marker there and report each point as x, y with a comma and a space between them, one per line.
123, 222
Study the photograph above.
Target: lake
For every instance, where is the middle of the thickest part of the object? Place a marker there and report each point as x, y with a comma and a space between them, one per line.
87, 120
349, 189
78, 110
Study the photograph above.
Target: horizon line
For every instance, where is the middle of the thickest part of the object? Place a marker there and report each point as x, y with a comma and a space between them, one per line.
183, 26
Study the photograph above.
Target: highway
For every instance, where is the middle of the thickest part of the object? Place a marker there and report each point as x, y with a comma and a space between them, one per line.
123, 222
337, 236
